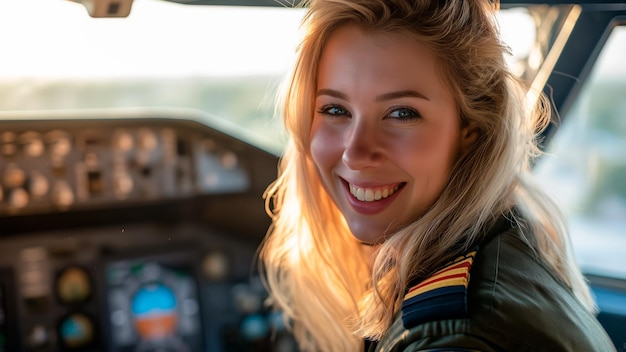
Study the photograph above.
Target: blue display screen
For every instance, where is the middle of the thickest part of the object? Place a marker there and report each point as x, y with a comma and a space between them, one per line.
153, 306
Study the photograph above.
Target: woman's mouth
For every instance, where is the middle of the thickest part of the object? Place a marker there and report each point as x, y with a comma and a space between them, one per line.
372, 194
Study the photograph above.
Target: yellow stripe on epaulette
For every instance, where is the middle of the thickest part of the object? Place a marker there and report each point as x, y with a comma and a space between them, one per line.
441, 296
454, 274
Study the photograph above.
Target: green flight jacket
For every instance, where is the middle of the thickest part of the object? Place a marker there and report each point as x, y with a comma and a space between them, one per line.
513, 302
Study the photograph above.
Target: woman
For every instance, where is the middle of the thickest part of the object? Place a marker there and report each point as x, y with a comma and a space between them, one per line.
403, 214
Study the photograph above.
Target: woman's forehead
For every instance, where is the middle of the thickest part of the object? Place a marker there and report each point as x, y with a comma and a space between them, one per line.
355, 60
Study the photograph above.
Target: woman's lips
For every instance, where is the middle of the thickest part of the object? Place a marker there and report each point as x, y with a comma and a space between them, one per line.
369, 200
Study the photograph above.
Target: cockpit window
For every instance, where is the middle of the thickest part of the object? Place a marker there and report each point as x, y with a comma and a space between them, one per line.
585, 168
224, 61
58, 40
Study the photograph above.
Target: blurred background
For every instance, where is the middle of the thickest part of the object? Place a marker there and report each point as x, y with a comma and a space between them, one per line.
203, 79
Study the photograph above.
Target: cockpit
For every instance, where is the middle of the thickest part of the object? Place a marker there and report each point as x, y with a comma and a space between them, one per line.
137, 139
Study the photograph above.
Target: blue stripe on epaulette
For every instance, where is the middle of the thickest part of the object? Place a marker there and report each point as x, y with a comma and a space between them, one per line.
438, 303
437, 307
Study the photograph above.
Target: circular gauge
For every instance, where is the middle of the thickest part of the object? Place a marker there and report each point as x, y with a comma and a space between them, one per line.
216, 266
76, 331
154, 308
60, 143
32, 143
254, 327
14, 176
146, 139
39, 184
7, 143
62, 194
122, 140
18, 198
73, 285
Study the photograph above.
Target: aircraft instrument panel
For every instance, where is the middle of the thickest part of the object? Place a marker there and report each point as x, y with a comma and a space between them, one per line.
132, 232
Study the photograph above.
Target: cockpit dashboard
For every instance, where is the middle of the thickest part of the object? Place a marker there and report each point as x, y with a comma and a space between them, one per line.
132, 231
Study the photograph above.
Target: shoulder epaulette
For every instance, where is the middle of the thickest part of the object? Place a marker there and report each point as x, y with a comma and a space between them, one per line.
441, 296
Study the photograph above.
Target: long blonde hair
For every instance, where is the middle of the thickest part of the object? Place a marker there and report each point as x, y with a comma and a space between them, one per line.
330, 290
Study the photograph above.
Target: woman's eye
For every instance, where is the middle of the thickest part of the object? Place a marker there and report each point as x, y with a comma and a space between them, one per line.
404, 114
333, 110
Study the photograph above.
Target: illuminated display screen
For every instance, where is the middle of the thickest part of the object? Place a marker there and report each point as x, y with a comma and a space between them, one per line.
153, 307
73, 286
76, 331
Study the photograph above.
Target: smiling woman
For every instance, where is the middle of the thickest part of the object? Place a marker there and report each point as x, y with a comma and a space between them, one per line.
404, 204
408, 164
361, 157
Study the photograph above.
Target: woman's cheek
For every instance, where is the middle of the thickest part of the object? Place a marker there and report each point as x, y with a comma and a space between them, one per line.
325, 146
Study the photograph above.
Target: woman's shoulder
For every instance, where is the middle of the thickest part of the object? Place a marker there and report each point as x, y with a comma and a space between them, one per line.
498, 298
516, 298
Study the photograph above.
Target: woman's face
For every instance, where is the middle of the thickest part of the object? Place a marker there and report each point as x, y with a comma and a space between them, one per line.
385, 132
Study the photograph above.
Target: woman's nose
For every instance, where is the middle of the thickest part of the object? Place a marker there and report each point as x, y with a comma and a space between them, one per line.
363, 146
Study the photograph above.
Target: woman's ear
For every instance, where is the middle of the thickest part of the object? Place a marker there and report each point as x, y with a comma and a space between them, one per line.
469, 135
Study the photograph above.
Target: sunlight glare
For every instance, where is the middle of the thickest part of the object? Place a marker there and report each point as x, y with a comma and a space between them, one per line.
58, 39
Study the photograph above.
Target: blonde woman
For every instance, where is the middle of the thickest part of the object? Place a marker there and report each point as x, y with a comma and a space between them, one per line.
403, 215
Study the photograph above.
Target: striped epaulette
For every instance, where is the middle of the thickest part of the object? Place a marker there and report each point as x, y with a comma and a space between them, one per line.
441, 296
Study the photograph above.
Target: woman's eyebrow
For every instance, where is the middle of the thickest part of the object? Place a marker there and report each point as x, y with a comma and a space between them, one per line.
332, 93
401, 94
383, 97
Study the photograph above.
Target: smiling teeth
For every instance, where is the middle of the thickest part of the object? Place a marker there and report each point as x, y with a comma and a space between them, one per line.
372, 194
